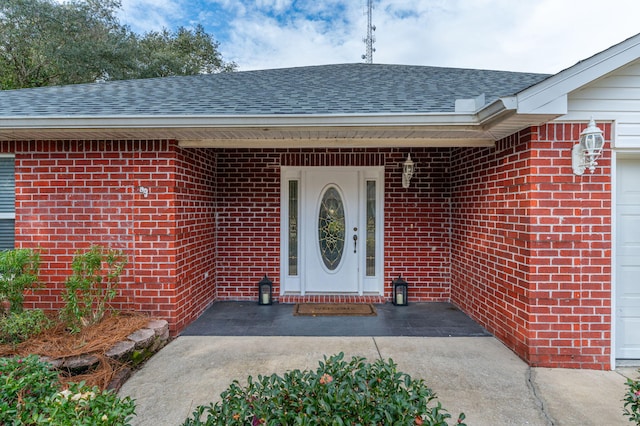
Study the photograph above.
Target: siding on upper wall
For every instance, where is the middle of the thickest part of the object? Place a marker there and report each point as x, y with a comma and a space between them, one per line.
615, 98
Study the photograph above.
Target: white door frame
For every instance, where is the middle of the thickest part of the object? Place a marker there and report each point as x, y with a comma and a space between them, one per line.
295, 283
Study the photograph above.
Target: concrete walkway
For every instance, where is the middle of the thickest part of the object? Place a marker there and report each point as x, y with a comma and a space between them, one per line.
474, 375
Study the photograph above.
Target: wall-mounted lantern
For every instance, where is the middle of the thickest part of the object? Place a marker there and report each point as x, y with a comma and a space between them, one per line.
408, 167
585, 153
265, 291
400, 288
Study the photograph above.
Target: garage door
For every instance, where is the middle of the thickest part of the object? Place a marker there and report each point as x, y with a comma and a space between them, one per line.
628, 259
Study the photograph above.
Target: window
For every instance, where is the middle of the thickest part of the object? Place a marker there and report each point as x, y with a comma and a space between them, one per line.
371, 229
293, 227
7, 202
331, 228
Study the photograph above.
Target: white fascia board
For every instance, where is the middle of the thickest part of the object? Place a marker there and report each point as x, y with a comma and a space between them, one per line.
224, 121
496, 109
502, 117
550, 95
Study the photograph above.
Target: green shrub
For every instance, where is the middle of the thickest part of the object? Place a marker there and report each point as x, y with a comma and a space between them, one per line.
18, 327
25, 383
88, 406
18, 272
92, 285
336, 393
632, 401
30, 395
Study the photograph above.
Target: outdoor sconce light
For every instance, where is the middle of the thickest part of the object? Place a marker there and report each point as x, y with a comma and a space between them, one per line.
400, 287
407, 171
265, 291
585, 153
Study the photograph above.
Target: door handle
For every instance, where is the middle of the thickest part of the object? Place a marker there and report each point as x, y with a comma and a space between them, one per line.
355, 242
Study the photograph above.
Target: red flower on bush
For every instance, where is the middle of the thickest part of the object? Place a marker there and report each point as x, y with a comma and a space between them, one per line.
326, 379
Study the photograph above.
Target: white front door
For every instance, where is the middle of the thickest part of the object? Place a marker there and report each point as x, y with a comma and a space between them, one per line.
332, 230
628, 259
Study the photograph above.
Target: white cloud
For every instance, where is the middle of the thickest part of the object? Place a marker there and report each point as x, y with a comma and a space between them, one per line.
533, 35
151, 15
264, 41
278, 5
297, 44
559, 33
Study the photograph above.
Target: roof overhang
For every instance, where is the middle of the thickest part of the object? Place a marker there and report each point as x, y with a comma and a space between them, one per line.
473, 123
250, 131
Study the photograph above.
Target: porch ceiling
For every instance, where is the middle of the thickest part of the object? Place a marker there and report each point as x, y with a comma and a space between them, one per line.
337, 136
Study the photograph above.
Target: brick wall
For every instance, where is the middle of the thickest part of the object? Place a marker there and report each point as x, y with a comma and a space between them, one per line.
195, 191
489, 237
531, 247
571, 254
508, 233
248, 222
416, 219
417, 224
71, 195
182, 256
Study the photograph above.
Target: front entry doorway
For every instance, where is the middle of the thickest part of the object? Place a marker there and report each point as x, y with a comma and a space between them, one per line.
332, 230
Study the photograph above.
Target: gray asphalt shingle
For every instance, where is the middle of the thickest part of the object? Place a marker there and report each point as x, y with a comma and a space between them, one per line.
324, 89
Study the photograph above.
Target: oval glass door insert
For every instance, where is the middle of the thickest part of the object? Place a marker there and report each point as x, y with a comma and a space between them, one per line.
331, 228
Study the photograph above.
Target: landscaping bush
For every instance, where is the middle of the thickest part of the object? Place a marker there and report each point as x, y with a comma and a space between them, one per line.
30, 395
337, 393
18, 327
18, 272
632, 401
24, 384
92, 285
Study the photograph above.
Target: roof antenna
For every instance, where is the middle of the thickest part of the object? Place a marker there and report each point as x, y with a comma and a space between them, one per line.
370, 39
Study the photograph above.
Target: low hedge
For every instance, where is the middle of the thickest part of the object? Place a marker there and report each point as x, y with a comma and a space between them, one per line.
337, 393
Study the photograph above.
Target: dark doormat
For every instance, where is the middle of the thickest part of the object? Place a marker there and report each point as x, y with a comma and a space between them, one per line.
335, 309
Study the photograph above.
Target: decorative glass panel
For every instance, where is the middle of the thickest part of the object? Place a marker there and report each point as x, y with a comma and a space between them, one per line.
371, 229
331, 228
293, 227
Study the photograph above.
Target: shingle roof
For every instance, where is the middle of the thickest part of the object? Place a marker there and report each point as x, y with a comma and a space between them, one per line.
325, 89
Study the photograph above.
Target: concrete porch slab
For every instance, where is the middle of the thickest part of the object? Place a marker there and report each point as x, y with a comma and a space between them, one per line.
434, 319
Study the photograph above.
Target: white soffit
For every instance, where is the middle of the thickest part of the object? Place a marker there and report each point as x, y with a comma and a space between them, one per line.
260, 131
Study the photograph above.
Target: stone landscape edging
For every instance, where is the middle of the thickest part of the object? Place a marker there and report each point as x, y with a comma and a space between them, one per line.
135, 349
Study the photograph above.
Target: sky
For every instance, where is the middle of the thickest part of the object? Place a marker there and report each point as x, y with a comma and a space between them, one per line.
542, 36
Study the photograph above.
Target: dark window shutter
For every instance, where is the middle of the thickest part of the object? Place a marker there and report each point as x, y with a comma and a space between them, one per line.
7, 202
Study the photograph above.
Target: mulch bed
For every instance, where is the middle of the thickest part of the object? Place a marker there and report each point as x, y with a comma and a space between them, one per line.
96, 339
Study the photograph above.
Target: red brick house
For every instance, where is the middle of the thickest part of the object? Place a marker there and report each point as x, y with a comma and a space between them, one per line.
210, 182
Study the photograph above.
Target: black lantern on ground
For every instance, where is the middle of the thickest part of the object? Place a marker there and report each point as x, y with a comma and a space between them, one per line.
400, 287
265, 291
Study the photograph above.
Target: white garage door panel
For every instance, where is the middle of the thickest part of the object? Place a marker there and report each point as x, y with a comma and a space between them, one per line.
628, 243
628, 182
629, 295
628, 259
630, 332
